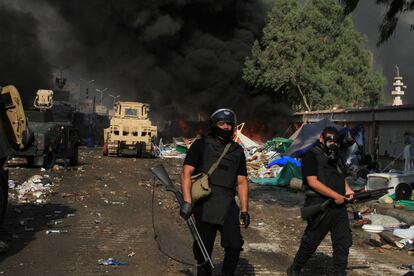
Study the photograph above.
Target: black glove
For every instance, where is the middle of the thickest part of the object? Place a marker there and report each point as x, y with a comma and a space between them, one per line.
186, 210
245, 217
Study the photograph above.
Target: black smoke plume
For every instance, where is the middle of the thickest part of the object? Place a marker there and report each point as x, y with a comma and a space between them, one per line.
184, 57
22, 59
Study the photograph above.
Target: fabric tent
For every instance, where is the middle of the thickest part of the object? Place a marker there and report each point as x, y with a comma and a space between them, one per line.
308, 135
245, 141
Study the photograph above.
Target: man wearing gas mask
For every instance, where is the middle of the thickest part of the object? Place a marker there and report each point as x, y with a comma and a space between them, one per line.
324, 178
218, 211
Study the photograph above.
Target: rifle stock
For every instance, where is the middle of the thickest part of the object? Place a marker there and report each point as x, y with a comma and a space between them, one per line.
308, 212
160, 172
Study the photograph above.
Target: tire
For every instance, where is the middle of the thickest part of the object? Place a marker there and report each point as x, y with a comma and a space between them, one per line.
30, 161
105, 150
3, 195
403, 191
139, 149
143, 149
74, 160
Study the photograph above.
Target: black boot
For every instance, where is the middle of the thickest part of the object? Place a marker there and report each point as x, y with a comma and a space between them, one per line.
204, 270
293, 270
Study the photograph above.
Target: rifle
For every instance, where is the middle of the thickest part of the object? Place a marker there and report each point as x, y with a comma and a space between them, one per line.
309, 211
160, 172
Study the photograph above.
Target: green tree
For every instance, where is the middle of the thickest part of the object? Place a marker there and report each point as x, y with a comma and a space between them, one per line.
311, 57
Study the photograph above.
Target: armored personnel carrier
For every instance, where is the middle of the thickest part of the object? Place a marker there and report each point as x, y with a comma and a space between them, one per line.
45, 127
130, 131
15, 135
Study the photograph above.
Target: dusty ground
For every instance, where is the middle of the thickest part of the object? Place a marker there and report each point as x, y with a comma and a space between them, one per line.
111, 199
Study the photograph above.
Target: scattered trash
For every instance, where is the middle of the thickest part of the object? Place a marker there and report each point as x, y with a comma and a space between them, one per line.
11, 184
111, 262
385, 221
404, 233
33, 190
29, 229
131, 254
404, 244
114, 202
70, 215
407, 266
55, 231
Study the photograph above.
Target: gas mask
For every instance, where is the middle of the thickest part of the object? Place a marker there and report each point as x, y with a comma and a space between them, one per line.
332, 148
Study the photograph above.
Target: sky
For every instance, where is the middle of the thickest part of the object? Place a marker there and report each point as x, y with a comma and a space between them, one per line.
183, 56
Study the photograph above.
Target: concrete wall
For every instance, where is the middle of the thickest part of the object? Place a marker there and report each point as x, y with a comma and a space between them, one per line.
392, 136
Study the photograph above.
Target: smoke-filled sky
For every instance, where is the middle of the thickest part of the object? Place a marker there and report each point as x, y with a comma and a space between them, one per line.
181, 56
398, 50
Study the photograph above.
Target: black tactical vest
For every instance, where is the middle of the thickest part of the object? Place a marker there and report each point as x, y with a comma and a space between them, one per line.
226, 173
330, 172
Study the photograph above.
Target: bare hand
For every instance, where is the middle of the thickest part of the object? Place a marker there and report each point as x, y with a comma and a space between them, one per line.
340, 199
349, 195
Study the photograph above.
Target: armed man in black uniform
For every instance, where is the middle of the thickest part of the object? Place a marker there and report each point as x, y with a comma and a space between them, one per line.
324, 177
219, 211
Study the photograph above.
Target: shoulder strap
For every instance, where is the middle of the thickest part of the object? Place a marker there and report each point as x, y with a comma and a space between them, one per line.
215, 164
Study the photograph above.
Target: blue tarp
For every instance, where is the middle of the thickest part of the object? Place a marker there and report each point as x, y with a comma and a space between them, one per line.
282, 179
282, 161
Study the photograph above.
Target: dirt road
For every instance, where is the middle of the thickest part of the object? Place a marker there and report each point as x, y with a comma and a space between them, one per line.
106, 206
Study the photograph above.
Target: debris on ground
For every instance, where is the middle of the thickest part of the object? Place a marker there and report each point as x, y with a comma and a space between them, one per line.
56, 231
34, 190
111, 262
405, 233
387, 222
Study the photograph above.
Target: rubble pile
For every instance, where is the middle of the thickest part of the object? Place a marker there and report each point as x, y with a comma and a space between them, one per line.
34, 190
177, 149
267, 164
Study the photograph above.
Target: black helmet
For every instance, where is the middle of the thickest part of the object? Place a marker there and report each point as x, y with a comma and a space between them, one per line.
224, 115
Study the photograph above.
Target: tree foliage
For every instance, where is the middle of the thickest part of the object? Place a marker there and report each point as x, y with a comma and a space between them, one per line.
311, 57
390, 20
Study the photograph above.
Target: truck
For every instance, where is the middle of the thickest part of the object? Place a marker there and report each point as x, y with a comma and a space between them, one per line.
130, 131
44, 126
15, 135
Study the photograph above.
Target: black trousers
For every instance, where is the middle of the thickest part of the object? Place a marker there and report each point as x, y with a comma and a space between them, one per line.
335, 221
231, 241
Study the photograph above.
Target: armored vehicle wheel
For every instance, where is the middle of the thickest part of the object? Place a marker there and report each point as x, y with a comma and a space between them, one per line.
74, 160
36, 161
105, 150
30, 161
3, 197
143, 150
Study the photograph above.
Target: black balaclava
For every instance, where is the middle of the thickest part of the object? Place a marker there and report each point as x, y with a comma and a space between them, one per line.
223, 115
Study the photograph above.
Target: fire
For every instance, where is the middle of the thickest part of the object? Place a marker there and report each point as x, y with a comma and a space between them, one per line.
183, 126
255, 130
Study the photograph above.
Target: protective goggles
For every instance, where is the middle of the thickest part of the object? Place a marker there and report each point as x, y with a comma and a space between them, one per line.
331, 138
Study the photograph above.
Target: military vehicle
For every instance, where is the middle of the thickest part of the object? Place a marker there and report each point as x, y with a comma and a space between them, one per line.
45, 127
15, 135
130, 131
